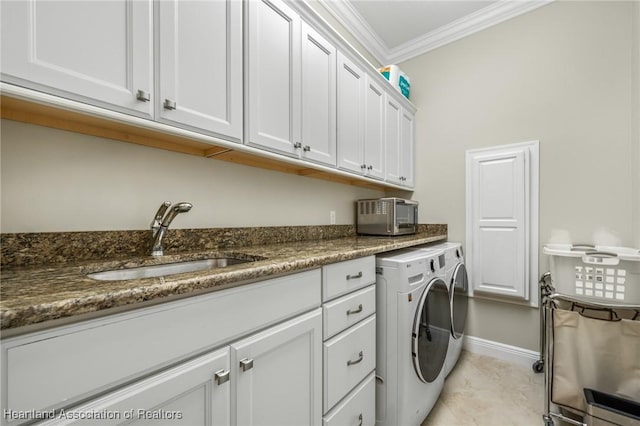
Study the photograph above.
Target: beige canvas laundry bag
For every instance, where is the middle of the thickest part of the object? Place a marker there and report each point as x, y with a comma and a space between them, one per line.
593, 353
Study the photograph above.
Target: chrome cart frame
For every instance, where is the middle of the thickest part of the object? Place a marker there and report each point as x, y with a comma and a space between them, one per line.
549, 302
546, 289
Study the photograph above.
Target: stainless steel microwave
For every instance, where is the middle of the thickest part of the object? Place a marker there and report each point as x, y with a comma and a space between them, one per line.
387, 216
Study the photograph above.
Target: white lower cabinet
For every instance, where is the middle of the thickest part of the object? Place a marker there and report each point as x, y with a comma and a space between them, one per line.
273, 377
247, 355
250, 355
349, 349
278, 374
197, 392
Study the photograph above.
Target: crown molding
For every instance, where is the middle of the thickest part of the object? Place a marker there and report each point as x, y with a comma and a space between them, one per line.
477, 21
353, 21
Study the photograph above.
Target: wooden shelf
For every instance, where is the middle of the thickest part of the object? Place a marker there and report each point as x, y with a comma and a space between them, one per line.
26, 111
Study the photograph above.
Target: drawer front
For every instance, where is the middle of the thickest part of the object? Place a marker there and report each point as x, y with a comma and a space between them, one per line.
56, 368
345, 277
348, 359
359, 408
342, 313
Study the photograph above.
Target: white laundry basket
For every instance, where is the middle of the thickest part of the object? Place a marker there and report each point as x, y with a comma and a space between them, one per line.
609, 275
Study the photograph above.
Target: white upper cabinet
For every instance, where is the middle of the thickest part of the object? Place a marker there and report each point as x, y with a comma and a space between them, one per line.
318, 97
273, 76
200, 72
360, 121
393, 114
407, 160
399, 143
374, 144
351, 89
98, 52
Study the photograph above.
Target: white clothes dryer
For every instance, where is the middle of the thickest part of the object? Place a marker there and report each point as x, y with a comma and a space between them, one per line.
458, 286
413, 330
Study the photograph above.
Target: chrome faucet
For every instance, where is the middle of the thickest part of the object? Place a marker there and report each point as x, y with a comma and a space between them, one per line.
161, 222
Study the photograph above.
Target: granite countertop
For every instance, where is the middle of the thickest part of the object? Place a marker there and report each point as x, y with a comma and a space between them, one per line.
31, 296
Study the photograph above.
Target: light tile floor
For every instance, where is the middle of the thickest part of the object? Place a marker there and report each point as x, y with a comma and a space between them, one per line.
484, 391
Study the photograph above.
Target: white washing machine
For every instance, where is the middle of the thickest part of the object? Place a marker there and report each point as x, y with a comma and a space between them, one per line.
458, 286
413, 330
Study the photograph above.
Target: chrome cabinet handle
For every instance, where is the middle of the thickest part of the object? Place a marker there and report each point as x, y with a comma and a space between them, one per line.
169, 104
221, 377
143, 96
297, 145
357, 361
353, 277
355, 311
370, 168
364, 166
246, 364
306, 148
360, 420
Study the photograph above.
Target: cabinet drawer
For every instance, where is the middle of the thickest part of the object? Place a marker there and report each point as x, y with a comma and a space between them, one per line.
359, 408
345, 277
348, 358
59, 367
342, 313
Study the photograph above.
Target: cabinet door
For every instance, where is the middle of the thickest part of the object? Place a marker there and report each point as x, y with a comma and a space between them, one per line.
374, 129
99, 52
200, 57
318, 97
393, 113
351, 87
278, 374
406, 148
194, 393
273, 76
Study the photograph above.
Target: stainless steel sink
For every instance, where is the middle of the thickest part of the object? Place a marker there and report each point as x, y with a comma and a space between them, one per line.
165, 269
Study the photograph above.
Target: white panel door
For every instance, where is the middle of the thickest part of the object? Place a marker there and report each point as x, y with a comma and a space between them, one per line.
278, 374
351, 87
318, 97
98, 52
500, 194
407, 160
200, 57
273, 76
393, 113
374, 129
194, 393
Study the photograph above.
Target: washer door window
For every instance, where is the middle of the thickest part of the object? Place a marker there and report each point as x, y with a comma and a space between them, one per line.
459, 300
431, 331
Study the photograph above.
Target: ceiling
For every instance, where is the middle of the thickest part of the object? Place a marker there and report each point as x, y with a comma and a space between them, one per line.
397, 30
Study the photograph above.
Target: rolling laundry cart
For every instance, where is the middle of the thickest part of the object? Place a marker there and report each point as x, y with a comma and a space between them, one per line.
591, 331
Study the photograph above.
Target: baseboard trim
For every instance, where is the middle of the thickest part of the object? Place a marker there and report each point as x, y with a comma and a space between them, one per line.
514, 354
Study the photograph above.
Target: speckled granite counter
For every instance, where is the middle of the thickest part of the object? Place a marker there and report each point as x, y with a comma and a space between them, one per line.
31, 296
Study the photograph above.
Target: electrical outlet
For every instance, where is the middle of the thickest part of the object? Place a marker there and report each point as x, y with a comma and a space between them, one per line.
332, 217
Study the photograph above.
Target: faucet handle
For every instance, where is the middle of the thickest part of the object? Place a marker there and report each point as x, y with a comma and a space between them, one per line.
157, 219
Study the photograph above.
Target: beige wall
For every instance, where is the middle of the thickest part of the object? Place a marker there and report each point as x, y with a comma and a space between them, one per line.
54, 180
563, 75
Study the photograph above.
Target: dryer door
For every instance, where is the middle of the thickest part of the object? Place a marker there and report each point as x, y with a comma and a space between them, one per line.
459, 300
431, 331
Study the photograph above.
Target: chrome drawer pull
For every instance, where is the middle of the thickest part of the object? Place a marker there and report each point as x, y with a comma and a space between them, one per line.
355, 311
246, 364
360, 420
221, 377
143, 96
357, 361
169, 104
353, 277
